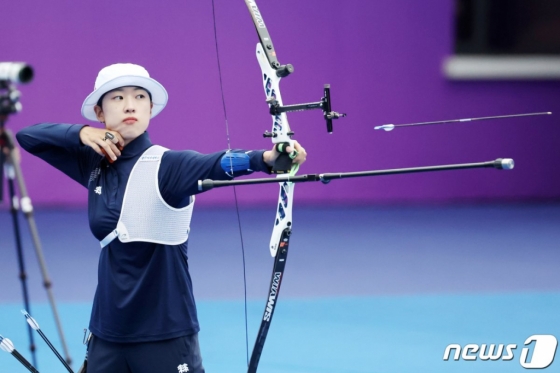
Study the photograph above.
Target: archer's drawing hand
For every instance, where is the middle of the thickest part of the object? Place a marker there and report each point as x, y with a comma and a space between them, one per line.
270, 156
97, 139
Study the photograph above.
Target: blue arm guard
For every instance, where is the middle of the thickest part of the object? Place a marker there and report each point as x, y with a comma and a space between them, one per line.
232, 162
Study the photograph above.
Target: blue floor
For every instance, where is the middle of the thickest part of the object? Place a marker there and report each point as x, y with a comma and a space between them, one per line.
367, 289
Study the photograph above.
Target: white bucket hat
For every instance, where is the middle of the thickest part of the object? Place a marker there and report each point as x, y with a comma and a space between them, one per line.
124, 75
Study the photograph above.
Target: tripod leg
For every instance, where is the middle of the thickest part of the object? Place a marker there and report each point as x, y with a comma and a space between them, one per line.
27, 209
14, 206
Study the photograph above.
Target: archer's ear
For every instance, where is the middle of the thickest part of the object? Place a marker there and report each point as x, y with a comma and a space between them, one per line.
99, 113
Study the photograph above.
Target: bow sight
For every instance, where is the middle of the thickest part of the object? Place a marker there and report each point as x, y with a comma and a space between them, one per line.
282, 71
324, 104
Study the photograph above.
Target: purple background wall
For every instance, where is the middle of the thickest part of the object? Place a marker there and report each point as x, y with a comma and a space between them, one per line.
383, 60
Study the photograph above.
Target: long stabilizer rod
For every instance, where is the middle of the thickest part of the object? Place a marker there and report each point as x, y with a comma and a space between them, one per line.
390, 127
500, 164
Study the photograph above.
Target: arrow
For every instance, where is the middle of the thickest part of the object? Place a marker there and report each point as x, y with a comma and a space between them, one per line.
35, 326
390, 127
8, 346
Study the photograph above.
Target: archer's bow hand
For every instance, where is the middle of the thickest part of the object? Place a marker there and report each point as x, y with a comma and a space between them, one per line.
297, 153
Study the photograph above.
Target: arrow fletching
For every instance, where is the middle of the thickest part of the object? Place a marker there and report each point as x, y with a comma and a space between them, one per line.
6, 345
30, 320
386, 127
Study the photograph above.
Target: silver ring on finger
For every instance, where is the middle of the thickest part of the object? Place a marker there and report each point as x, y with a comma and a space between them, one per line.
109, 135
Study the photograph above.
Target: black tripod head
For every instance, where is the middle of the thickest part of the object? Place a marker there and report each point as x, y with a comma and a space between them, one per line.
9, 101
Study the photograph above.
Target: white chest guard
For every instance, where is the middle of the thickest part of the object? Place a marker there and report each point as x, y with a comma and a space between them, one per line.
145, 216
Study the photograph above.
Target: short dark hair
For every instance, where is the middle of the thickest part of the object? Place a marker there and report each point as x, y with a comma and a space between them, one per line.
99, 102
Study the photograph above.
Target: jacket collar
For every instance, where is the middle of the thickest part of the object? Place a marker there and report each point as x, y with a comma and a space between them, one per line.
136, 146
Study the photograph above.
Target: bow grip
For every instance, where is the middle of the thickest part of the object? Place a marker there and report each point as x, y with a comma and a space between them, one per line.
283, 163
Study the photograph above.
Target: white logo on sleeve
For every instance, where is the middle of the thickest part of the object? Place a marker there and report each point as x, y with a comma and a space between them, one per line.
98, 190
94, 174
183, 368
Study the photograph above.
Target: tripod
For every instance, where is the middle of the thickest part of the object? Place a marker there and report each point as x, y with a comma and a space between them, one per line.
9, 163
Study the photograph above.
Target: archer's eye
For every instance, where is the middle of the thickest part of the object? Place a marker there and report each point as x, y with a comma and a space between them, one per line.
141, 95
117, 98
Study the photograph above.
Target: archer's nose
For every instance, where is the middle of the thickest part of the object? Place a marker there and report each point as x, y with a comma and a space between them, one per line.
129, 106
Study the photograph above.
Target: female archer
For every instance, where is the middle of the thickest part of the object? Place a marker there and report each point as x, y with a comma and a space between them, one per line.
140, 201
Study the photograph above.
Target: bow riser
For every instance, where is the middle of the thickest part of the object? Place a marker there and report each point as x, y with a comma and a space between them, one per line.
280, 131
271, 85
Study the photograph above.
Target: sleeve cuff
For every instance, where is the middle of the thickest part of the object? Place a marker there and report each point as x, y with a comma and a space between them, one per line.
257, 163
73, 134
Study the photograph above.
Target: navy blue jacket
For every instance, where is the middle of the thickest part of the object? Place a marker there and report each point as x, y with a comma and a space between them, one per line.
144, 290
